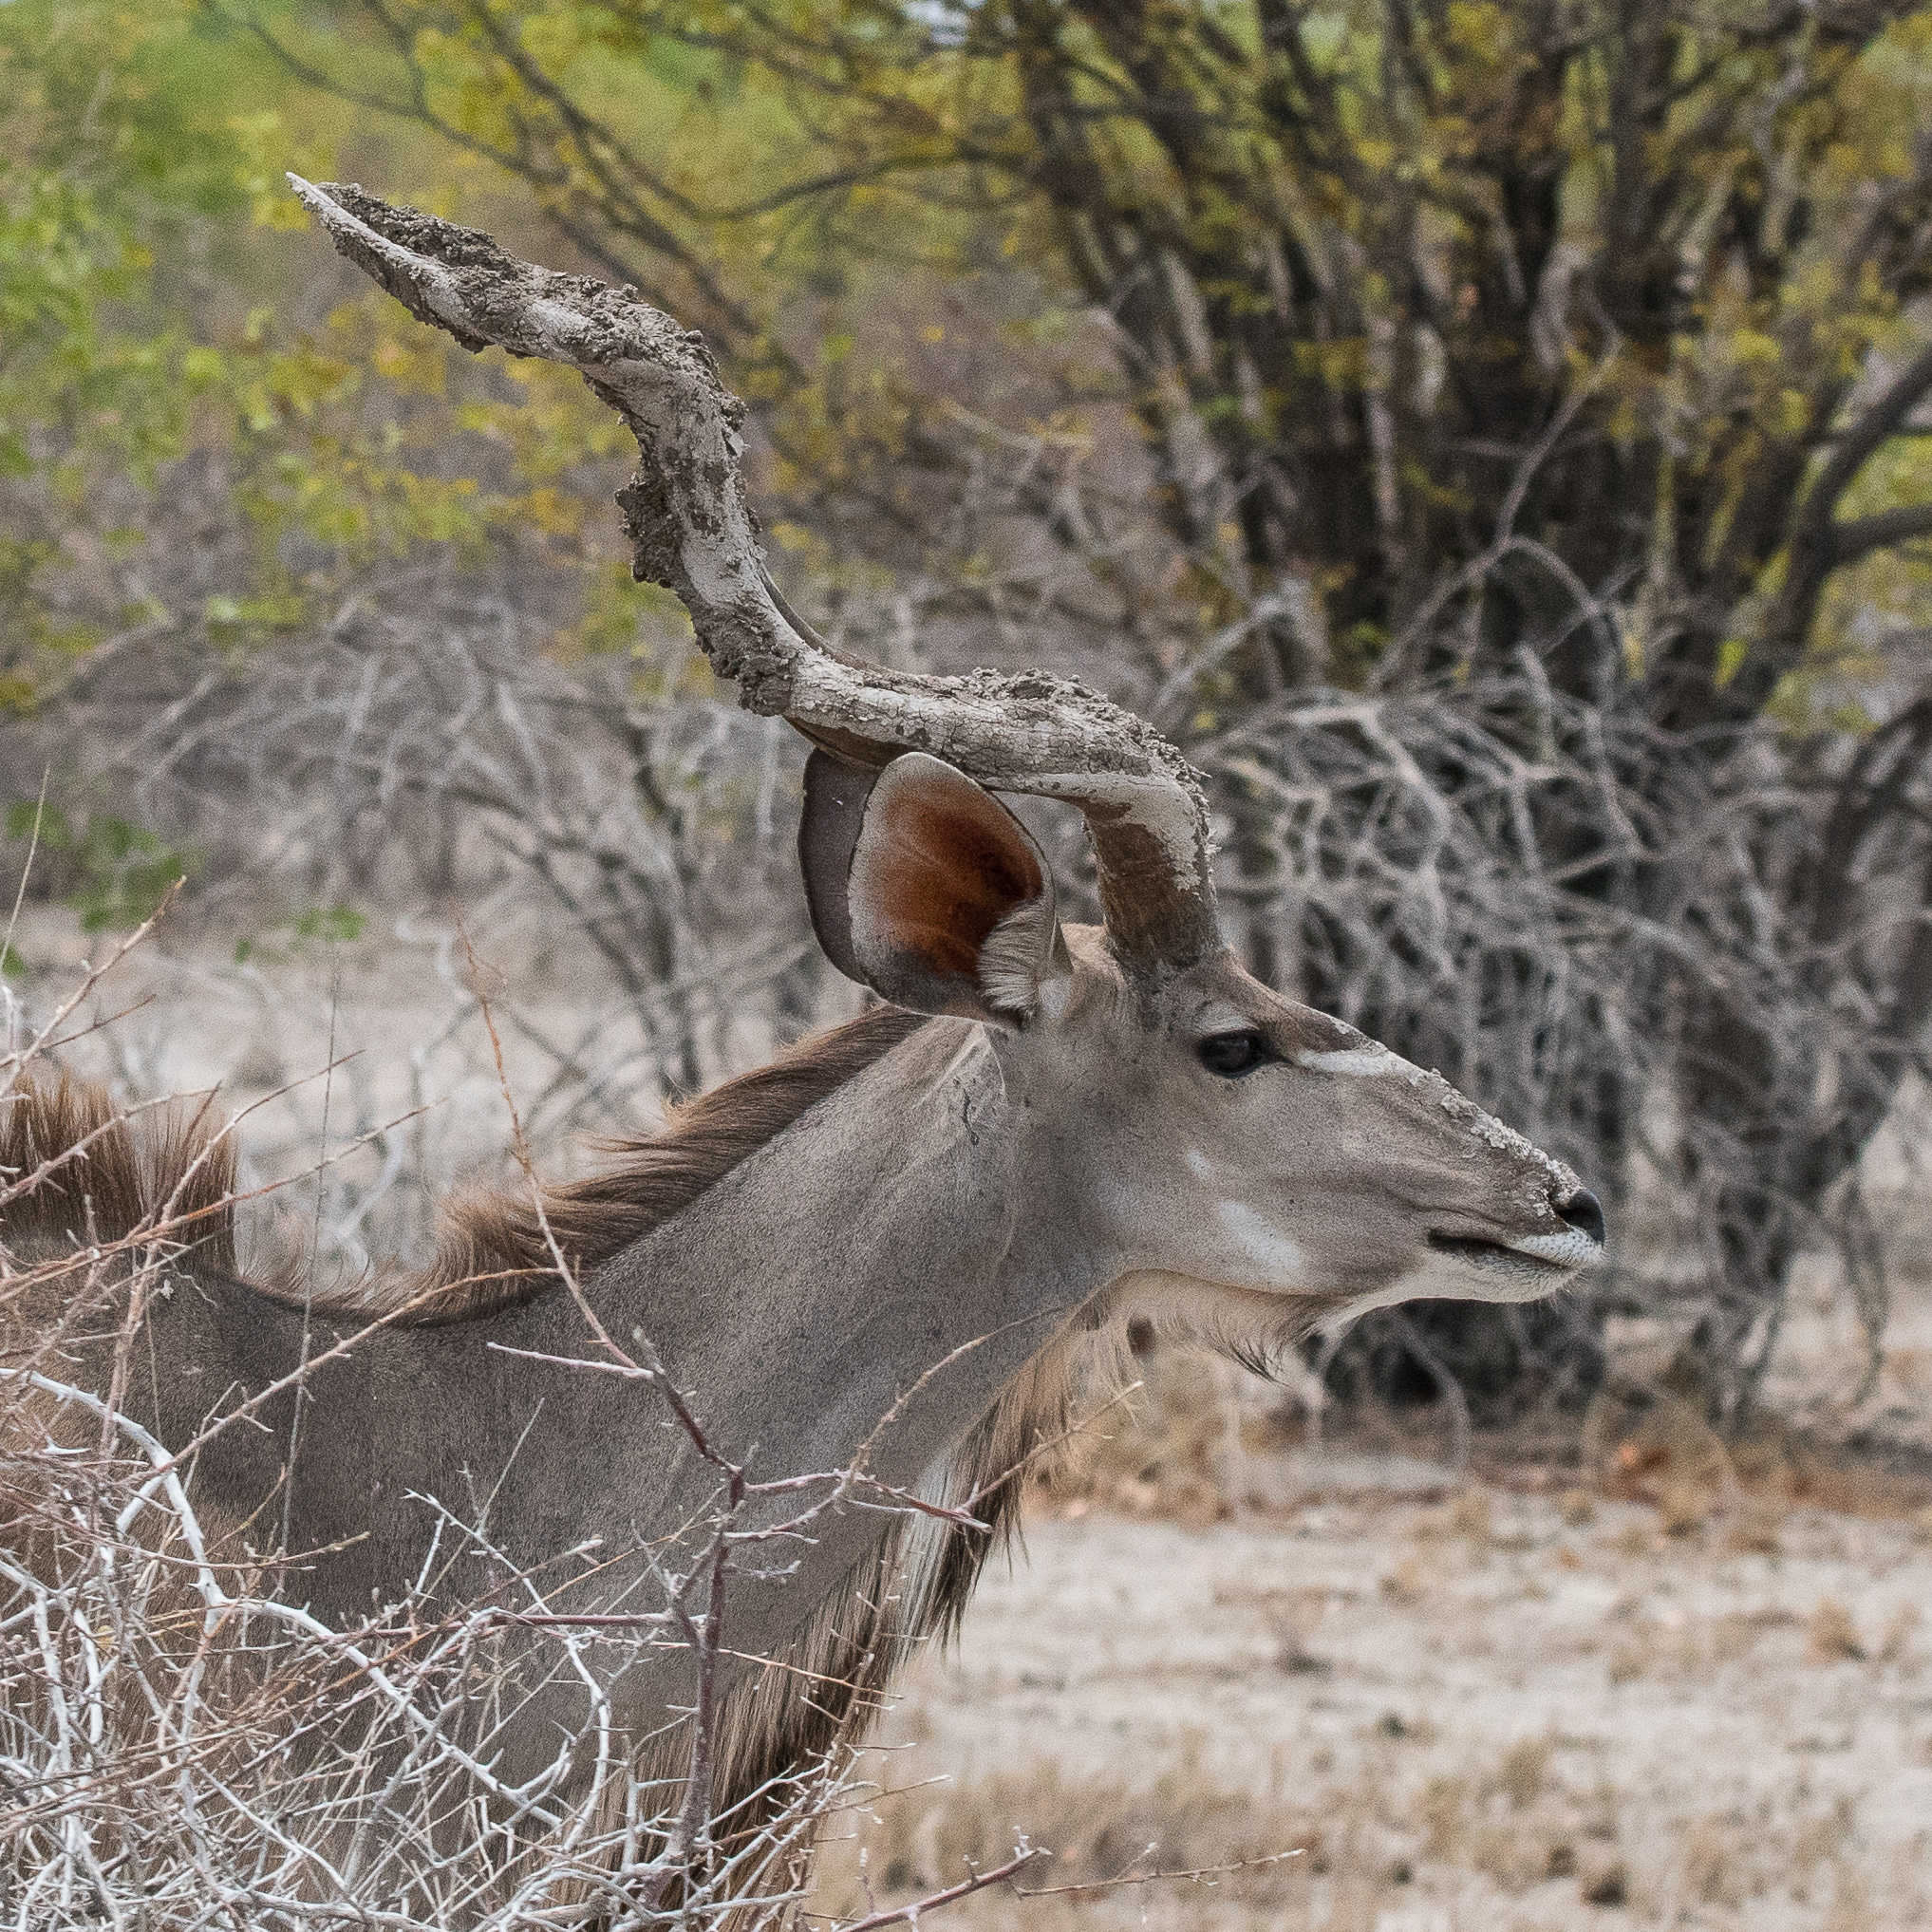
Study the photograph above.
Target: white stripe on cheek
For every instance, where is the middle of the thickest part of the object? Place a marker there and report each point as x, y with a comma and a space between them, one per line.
1362, 1062
1198, 1164
1261, 1245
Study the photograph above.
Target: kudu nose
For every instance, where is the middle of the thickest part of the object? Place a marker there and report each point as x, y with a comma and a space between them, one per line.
1582, 1212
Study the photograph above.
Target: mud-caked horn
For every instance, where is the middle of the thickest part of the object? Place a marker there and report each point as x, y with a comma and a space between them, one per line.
692, 530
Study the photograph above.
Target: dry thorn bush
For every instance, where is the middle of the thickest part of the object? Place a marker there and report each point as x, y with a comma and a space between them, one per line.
180, 1740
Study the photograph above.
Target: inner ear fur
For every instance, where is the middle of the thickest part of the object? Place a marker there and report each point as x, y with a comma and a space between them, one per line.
944, 905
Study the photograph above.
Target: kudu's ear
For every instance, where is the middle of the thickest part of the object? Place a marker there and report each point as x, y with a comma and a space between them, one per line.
925, 888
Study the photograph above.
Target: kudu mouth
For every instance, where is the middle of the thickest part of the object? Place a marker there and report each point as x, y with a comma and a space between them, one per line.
1552, 1257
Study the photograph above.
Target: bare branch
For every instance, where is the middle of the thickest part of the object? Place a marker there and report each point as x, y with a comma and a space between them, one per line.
1858, 537
911, 1914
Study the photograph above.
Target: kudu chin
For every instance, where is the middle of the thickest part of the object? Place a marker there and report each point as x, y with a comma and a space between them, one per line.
896, 1243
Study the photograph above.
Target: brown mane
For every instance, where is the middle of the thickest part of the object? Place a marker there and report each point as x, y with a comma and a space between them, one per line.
74, 1173
87, 1175
493, 1253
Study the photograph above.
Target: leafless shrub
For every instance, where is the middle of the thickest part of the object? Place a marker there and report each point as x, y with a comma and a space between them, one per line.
1643, 956
423, 750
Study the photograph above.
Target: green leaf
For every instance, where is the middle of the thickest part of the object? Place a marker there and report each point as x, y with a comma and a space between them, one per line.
331, 925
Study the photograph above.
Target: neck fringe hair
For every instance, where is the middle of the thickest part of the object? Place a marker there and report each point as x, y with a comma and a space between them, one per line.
820, 1695
816, 1698
75, 1175
493, 1253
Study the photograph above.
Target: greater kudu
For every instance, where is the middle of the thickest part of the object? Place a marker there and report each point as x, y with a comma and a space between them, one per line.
925, 1217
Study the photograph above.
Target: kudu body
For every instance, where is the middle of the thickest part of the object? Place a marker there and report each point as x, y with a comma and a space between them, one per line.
891, 1246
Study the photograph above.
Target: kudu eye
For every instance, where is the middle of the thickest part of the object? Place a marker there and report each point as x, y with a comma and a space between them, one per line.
1230, 1055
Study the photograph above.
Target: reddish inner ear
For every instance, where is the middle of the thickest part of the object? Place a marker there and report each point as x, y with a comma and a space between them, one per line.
940, 864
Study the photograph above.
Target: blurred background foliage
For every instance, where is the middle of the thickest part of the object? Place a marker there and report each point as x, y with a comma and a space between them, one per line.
1490, 437
161, 312
1366, 255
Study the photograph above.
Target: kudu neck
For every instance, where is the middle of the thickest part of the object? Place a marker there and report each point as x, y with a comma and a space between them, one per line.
885, 1252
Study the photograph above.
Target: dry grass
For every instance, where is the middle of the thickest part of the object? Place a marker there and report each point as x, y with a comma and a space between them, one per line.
1833, 1634
1666, 1738
1098, 1828
1639, 1675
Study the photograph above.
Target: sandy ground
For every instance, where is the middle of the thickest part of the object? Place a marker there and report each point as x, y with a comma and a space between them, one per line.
1464, 1714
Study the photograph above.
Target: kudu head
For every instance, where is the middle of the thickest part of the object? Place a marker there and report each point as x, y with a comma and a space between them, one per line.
1249, 1166
1237, 1154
